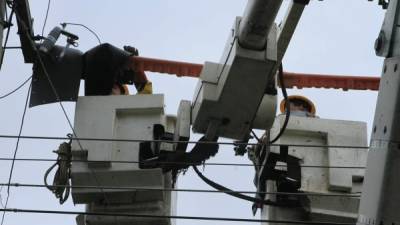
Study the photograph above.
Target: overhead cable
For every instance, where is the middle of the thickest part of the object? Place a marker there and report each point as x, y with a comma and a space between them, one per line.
18, 210
182, 163
227, 191
186, 142
15, 152
84, 26
16, 89
46, 16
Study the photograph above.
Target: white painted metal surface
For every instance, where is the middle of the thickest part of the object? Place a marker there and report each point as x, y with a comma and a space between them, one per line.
324, 180
119, 117
228, 94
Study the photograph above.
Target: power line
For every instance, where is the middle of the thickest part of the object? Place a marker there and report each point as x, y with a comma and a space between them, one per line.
15, 210
182, 190
12, 47
186, 142
15, 152
182, 163
16, 89
19, 134
84, 26
45, 18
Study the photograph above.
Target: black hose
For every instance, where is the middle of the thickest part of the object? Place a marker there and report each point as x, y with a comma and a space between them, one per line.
287, 105
237, 194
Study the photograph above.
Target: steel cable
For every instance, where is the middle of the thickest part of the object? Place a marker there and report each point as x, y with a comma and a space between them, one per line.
181, 163
186, 142
226, 191
18, 210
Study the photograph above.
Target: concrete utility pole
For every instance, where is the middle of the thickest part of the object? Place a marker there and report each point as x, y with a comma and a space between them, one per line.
380, 202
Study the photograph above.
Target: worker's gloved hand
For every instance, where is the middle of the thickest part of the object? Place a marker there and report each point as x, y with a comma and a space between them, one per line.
147, 89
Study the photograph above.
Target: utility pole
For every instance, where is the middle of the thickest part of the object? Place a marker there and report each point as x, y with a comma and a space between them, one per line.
380, 201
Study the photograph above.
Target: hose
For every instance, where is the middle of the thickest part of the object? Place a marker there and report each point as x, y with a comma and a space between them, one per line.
61, 181
239, 195
287, 105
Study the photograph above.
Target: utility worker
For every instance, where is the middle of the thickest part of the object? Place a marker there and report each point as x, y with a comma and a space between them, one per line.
299, 106
107, 69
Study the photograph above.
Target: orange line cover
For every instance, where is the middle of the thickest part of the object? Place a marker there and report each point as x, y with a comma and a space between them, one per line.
166, 66
299, 80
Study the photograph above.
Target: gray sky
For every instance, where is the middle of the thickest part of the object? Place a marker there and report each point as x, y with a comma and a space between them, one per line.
334, 37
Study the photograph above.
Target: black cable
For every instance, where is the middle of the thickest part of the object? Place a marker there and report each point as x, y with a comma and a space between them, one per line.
61, 183
15, 152
234, 193
255, 136
45, 18
172, 217
12, 47
18, 139
287, 105
227, 191
183, 163
16, 89
186, 142
84, 26
9, 22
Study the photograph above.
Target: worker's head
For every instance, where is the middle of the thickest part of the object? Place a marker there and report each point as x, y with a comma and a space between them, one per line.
299, 105
119, 89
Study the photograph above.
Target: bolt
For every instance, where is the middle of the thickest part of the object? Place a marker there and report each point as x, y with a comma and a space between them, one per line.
379, 42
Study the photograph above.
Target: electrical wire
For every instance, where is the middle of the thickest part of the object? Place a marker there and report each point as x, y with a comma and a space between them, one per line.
185, 142
15, 210
84, 26
182, 163
226, 191
16, 89
46, 16
255, 136
15, 152
12, 47
287, 105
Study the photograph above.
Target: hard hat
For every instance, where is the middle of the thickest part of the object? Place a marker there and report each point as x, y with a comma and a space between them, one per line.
310, 105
